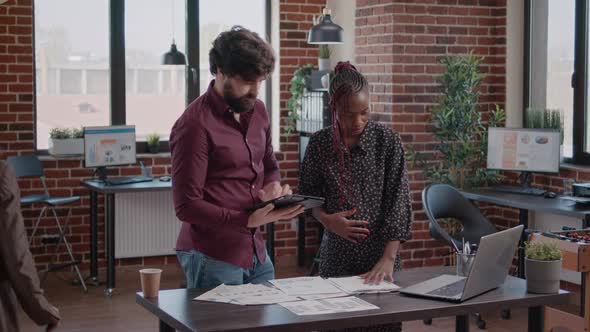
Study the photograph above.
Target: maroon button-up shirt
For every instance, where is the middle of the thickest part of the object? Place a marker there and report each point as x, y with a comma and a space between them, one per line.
218, 167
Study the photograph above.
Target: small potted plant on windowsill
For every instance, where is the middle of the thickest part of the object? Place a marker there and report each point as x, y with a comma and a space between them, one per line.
153, 142
66, 142
542, 267
324, 57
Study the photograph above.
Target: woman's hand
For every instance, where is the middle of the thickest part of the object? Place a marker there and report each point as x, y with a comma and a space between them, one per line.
351, 230
382, 270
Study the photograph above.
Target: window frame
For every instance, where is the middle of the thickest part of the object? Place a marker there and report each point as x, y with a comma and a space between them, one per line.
579, 80
117, 69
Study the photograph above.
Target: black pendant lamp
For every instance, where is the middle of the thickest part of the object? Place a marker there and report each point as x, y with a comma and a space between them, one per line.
173, 57
326, 31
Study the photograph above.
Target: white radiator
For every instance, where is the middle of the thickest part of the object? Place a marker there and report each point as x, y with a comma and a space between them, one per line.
145, 224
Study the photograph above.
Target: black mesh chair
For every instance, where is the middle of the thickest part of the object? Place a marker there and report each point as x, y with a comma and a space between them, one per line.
442, 201
30, 166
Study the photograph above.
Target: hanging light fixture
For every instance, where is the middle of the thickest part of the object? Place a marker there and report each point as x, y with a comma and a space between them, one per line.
326, 31
173, 57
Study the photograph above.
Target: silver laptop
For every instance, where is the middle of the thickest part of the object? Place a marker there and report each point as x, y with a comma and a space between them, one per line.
488, 271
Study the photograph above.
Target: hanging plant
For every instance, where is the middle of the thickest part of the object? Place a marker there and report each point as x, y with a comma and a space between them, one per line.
299, 83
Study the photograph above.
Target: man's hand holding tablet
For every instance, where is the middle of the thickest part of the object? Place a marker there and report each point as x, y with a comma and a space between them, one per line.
288, 206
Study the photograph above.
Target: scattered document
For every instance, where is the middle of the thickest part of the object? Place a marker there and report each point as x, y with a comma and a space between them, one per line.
305, 286
323, 296
328, 306
248, 294
356, 285
577, 199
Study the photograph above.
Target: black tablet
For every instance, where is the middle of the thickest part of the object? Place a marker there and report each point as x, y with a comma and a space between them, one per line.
308, 202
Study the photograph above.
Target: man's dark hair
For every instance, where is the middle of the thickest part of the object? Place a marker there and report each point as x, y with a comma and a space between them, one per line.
241, 52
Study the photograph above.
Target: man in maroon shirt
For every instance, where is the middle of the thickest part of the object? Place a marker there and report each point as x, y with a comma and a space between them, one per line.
223, 164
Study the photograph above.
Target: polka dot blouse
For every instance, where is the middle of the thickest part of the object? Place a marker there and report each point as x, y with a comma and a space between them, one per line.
375, 182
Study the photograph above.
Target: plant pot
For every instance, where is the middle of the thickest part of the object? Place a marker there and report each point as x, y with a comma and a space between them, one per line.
542, 277
326, 81
323, 64
154, 148
66, 147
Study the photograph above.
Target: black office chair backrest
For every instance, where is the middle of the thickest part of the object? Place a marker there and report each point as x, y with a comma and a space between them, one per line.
25, 166
443, 201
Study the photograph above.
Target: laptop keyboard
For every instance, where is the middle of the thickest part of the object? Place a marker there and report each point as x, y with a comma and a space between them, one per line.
450, 290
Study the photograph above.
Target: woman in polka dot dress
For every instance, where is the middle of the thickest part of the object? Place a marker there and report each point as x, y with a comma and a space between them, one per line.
358, 166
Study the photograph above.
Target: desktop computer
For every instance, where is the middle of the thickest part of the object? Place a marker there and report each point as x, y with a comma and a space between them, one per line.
111, 146
524, 150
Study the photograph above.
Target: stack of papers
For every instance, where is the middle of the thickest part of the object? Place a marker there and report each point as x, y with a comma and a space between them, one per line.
314, 295
356, 285
328, 306
308, 288
248, 294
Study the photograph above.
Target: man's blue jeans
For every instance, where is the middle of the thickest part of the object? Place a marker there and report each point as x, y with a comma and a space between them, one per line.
202, 271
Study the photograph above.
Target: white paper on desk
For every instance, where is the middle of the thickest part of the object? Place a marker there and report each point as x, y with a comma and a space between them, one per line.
323, 296
248, 294
305, 286
577, 199
213, 296
328, 306
356, 285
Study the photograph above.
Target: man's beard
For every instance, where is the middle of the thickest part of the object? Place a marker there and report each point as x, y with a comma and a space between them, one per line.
238, 105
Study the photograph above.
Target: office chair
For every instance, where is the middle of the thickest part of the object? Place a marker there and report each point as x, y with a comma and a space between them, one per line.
30, 166
444, 201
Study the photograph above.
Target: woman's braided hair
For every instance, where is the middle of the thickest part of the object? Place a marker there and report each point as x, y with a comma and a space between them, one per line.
347, 82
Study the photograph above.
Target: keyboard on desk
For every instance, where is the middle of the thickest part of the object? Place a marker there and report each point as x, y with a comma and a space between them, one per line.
518, 190
128, 180
450, 290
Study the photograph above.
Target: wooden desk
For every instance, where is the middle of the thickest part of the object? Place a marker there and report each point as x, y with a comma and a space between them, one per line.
96, 187
526, 203
176, 310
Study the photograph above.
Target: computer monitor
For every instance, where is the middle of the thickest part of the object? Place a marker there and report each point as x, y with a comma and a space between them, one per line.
524, 150
109, 146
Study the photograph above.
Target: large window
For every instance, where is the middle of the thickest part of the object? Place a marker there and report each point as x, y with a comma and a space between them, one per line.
212, 24
103, 66
556, 73
72, 63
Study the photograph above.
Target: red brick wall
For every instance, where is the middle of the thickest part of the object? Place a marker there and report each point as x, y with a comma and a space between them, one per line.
398, 46
296, 20
63, 176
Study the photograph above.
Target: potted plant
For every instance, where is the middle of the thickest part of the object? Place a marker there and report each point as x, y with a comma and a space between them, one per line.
153, 142
324, 57
540, 118
460, 153
299, 83
542, 267
66, 142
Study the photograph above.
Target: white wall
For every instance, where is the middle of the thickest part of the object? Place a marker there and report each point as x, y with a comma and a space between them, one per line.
343, 14
276, 76
514, 62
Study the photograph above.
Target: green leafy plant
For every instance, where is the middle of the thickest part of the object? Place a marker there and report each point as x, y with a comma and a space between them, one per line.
324, 52
60, 133
153, 139
540, 118
542, 251
461, 134
299, 83
77, 132
66, 133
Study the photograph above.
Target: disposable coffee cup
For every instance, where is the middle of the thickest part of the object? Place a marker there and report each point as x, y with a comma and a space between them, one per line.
150, 282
